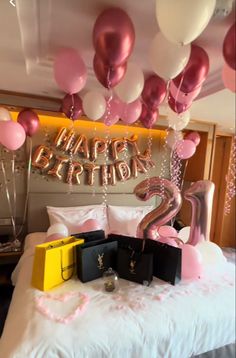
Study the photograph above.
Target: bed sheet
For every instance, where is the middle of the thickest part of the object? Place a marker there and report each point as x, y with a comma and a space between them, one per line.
159, 321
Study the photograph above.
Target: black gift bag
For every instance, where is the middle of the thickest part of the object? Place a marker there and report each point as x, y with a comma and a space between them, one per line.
127, 242
91, 235
95, 257
166, 261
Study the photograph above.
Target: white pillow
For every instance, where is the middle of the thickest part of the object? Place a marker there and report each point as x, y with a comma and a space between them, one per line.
124, 220
74, 217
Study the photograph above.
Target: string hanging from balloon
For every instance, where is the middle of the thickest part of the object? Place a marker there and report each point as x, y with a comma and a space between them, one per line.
163, 166
148, 167
175, 169
230, 179
105, 182
71, 128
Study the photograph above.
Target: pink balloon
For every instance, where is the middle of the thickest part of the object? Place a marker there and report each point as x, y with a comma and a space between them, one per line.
167, 231
113, 111
131, 111
185, 148
12, 135
90, 225
154, 91
183, 97
29, 121
168, 241
191, 262
113, 36
70, 71
229, 47
195, 71
194, 137
108, 76
54, 237
177, 106
229, 78
72, 106
148, 117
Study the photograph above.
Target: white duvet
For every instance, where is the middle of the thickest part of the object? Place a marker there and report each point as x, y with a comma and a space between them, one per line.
160, 321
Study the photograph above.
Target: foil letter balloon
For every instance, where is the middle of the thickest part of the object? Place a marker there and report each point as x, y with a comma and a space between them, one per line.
98, 146
41, 157
55, 171
200, 194
81, 146
123, 170
169, 207
90, 168
74, 172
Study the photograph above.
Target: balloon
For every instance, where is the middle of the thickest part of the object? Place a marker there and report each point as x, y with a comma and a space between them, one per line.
194, 137
185, 149
192, 267
200, 194
183, 97
94, 105
54, 237
169, 207
172, 138
148, 117
72, 106
184, 234
229, 47
12, 135
4, 114
90, 225
113, 111
195, 71
154, 91
178, 121
168, 241
108, 76
177, 106
183, 21
113, 36
58, 229
131, 112
131, 86
211, 253
166, 231
166, 58
69, 70
29, 121
229, 78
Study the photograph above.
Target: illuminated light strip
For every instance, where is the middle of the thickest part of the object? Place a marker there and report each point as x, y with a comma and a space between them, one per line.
13, 3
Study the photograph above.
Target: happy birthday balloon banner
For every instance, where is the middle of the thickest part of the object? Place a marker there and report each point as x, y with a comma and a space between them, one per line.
69, 168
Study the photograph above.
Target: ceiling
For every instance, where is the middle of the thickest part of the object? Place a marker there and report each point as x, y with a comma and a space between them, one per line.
32, 32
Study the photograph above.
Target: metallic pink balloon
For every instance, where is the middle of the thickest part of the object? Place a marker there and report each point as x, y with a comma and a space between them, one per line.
113, 36
72, 106
183, 97
229, 48
29, 121
229, 78
191, 267
154, 91
169, 207
185, 148
108, 76
194, 137
12, 135
195, 71
148, 117
113, 111
177, 106
200, 194
131, 111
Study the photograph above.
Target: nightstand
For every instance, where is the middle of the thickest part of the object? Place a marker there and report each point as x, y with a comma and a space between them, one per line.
8, 261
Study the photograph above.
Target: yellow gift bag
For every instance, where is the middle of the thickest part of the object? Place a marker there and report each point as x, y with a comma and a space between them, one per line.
54, 262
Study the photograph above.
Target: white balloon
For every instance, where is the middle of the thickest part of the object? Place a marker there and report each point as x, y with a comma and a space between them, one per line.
168, 59
178, 121
131, 85
94, 105
5, 115
211, 253
184, 234
183, 21
172, 138
58, 229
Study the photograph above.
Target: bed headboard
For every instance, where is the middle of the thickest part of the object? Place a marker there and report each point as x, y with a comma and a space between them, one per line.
37, 213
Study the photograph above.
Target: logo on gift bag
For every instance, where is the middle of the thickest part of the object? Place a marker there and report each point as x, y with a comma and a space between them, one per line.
132, 266
100, 261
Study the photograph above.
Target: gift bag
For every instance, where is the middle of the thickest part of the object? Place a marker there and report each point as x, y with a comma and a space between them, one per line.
54, 262
166, 261
91, 235
95, 257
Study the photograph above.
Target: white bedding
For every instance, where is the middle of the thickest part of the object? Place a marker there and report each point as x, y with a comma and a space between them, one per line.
160, 321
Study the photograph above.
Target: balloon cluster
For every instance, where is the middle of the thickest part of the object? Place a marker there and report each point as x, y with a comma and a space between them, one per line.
13, 134
229, 53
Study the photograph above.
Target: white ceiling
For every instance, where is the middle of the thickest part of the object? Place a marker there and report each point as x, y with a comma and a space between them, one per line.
31, 33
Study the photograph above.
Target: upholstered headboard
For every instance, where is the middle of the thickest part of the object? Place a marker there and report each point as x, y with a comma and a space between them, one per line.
37, 213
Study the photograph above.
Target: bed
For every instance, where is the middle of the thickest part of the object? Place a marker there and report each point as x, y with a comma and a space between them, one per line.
193, 318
